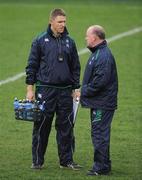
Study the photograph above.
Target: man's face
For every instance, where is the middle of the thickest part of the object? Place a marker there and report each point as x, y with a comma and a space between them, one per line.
90, 38
58, 24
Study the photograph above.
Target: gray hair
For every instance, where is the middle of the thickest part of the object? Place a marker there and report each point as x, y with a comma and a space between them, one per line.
99, 31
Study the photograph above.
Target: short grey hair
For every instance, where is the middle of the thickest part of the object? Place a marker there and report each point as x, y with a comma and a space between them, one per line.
99, 31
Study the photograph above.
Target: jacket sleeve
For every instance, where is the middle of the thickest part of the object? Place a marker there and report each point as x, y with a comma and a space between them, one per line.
33, 63
100, 78
75, 67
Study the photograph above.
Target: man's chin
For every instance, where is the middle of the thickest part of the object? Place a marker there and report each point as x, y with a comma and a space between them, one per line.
61, 32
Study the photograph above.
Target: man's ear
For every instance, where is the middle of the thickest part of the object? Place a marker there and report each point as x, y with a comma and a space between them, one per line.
95, 37
50, 20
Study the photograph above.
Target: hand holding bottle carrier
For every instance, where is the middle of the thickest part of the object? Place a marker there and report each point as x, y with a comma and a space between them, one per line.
28, 110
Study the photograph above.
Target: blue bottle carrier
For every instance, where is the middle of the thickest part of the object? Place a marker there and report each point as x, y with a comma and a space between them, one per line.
28, 110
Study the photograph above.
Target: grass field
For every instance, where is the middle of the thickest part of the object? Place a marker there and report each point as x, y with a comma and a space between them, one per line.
20, 22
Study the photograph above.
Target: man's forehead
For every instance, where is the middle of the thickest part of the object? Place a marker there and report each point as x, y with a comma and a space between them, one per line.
89, 30
60, 18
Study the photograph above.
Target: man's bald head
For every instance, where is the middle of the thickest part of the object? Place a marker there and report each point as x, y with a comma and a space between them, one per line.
97, 30
95, 35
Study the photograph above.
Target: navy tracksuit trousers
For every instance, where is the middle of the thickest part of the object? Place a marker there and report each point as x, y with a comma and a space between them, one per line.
100, 133
58, 102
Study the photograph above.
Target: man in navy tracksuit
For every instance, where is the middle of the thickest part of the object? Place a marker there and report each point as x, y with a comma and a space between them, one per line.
54, 67
99, 93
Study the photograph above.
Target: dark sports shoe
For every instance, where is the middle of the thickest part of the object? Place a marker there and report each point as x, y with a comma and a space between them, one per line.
92, 173
36, 166
77, 165
95, 173
72, 165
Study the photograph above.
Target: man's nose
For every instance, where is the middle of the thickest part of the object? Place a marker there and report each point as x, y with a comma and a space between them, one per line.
63, 24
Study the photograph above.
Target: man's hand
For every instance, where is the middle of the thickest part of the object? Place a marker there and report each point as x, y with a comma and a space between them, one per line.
76, 94
30, 93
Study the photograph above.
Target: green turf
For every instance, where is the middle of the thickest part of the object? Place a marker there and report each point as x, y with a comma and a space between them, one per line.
19, 24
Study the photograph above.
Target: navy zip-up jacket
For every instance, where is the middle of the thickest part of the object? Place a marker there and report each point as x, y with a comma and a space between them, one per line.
100, 82
53, 61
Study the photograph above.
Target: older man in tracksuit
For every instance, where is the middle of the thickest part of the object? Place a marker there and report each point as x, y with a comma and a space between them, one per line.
54, 67
99, 93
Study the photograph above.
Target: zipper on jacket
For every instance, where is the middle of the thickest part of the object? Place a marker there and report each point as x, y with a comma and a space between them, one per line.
60, 54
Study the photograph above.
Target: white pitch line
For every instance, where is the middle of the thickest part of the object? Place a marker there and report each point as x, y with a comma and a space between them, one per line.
81, 52
13, 78
116, 37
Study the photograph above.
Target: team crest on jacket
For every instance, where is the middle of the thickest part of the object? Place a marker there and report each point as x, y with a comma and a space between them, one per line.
46, 40
67, 43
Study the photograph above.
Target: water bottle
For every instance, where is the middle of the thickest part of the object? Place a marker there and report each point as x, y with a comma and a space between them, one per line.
16, 103
16, 107
29, 112
24, 102
34, 105
20, 109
